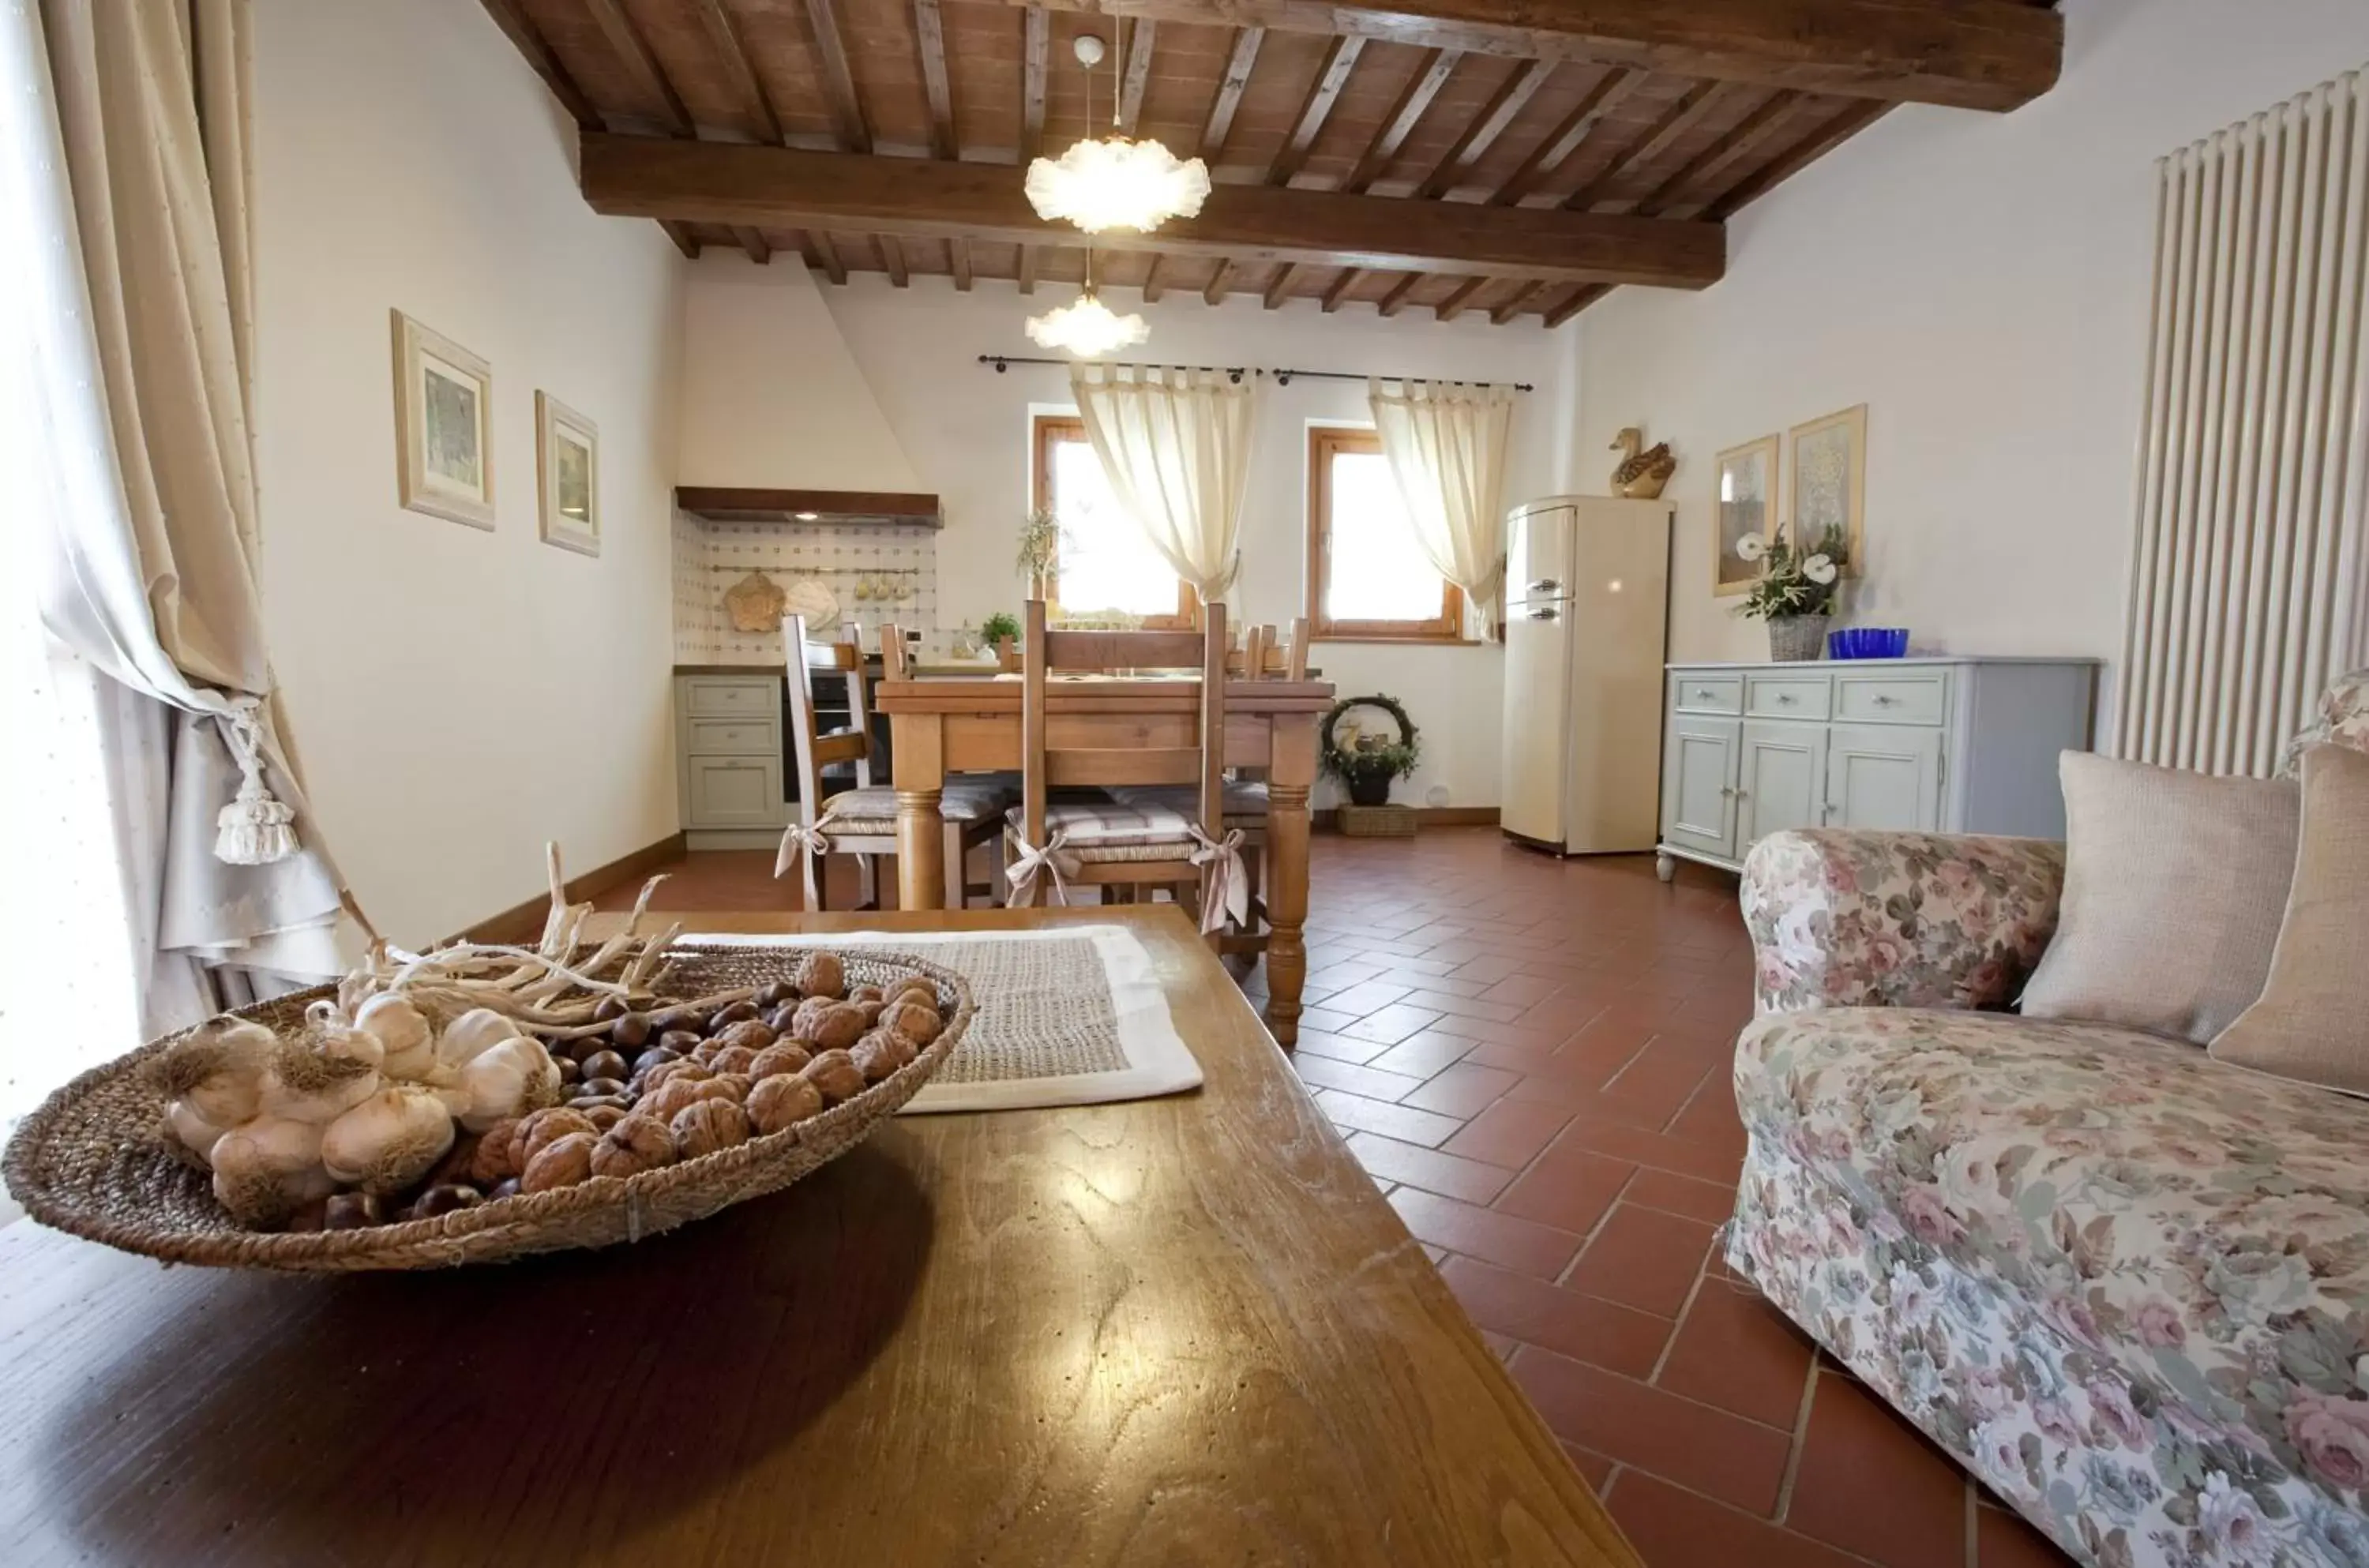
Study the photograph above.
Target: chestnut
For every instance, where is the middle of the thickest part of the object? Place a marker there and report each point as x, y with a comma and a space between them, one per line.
352, 1211
605, 1064
631, 1029
675, 1017
569, 1069
444, 1200
682, 1042
609, 1007
506, 1187
724, 1017
656, 1056
774, 995
778, 1020
600, 1089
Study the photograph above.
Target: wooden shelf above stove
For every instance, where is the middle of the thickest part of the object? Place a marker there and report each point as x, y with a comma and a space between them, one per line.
883, 509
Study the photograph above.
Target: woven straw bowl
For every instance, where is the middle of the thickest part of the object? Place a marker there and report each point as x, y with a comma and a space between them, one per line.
93, 1161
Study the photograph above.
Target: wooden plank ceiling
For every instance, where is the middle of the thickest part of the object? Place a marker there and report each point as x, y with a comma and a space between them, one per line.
1612, 137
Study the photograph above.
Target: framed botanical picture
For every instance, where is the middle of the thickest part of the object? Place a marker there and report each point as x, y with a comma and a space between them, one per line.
443, 426
1746, 507
567, 475
1830, 484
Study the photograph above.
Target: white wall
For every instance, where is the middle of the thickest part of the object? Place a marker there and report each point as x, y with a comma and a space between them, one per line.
1981, 283
456, 696
966, 430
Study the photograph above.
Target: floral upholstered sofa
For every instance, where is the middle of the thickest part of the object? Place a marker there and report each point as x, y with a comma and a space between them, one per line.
2126, 1285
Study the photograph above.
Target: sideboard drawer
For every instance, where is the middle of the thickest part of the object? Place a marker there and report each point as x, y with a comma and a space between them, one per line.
1890, 699
728, 738
1787, 696
735, 696
1708, 694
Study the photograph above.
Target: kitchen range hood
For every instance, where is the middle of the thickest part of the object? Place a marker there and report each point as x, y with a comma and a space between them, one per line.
879, 509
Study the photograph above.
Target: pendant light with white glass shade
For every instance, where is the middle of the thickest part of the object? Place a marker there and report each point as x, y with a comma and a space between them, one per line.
1113, 183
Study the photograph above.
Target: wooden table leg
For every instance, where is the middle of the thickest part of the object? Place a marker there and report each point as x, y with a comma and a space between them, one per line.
921, 781
1291, 770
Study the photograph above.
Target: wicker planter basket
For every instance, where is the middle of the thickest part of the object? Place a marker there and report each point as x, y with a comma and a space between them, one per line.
93, 1161
1377, 822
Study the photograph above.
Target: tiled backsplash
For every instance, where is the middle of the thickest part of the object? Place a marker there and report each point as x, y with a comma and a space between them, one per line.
851, 561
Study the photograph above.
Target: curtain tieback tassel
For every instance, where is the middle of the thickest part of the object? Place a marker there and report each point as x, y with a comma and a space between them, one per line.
258, 827
1020, 876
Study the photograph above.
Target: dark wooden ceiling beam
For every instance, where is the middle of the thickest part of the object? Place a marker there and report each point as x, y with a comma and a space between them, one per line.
1339, 290
788, 188
1138, 77
834, 266
1035, 43
680, 235
1578, 300
1739, 141
958, 263
1508, 101
1517, 303
1239, 65
632, 49
1214, 291
1395, 300
1989, 54
1453, 305
529, 41
1152, 280
1608, 94
1404, 116
724, 37
1279, 288
892, 256
930, 40
1323, 94
1830, 133
854, 133
1031, 257
753, 245
1689, 110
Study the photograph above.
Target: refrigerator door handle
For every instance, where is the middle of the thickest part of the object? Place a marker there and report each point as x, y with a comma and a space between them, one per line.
1546, 585
1544, 612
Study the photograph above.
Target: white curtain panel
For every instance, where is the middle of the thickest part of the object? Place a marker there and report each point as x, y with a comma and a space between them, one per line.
125, 194
1446, 449
1176, 446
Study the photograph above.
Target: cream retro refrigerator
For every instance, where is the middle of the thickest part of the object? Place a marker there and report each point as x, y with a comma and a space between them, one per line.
1587, 601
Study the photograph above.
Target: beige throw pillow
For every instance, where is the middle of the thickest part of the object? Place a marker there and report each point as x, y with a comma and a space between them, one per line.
2312, 1022
2174, 884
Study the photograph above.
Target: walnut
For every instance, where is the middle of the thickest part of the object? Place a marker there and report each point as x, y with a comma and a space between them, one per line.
866, 994
753, 1034
540, 1130
836, 1074
733, 1058
705, 1055
603, 1117
490, 1163
918, 1023
562, 1163
672, 1097
821, 973
635, 1144
786, 1056
808, 1016
830, 1026
781, 1103
732, 1086
880, 1053
924, 992
871, 1009
708, 1127
667, 1071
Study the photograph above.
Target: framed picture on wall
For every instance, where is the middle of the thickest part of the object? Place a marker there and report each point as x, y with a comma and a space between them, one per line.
443, 426
1830, 484
567, 475
1745, 508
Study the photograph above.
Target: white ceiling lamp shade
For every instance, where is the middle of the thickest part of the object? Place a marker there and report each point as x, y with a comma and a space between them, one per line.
1087, 329
1112, 182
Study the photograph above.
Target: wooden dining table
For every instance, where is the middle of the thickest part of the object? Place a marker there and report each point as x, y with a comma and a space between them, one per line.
1177, 1331
942, 725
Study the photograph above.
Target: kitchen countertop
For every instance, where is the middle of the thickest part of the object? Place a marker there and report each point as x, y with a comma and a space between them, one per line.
931, 666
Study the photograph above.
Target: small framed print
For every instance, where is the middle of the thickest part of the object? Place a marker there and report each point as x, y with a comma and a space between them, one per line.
1830, 484
567, 475
1745, 509
443, 426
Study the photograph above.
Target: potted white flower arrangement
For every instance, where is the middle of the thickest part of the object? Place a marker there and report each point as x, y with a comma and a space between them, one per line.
1795, 593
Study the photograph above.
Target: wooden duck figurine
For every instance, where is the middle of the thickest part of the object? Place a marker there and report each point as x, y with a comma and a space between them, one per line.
1641, 474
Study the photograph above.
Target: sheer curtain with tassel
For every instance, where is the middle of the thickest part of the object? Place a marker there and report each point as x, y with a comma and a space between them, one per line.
1177, 447
1445, 444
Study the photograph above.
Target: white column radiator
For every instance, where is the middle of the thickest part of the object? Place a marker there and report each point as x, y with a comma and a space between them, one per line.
2250, 581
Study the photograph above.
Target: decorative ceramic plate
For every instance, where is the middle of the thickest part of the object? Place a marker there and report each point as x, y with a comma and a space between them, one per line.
810, 599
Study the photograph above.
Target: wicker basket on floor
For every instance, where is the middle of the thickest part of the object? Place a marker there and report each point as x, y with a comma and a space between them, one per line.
94, 1161
1377, 822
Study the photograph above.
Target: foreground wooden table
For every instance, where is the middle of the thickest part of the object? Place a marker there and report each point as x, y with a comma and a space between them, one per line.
1178, 1330
971, 723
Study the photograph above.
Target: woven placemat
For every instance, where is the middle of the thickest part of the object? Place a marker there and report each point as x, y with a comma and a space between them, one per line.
1067, 1017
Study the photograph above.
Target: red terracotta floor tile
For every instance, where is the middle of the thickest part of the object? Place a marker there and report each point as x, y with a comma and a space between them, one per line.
1389, 1026
1465, 1090
1711, 1202
1623, 1141
1594, 1468
1523, 1245
1359, 999
1721, 1456
1508, 1134
1412, 1164
1672, 1528
1521, 990
1571, 1189
1869, 1482
1340, 1047
1463, 1006
1643, 1258
1737, 1352
1402, 1122
1421, 1055
2003, 1539
1536, 1312
1327, 1073
1325, 1018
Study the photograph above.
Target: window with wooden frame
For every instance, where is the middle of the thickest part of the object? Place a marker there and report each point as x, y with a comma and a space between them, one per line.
1103, 564
1368, 579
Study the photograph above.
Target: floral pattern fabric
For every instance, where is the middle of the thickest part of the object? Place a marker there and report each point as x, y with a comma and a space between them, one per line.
2343, 721
2127, 1286
1843, 918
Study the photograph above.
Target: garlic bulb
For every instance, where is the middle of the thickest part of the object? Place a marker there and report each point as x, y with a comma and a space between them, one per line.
219, 1069
268, 1169
197, 1133
508, 1079
329, 1032
474, 1031
306, 1085
402, 1032
388, 1141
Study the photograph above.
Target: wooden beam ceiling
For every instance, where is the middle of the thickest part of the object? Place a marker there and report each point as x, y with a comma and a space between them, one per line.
732, 184
1988, 55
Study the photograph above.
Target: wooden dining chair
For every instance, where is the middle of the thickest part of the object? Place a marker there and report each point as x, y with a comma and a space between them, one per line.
1092, 838
862, 821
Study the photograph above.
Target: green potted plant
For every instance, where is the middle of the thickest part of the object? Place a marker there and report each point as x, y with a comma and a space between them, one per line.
996, 628
1795, 593
1040, 542
1367, 764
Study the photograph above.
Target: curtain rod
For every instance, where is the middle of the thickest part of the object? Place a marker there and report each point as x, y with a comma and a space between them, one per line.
1235, 373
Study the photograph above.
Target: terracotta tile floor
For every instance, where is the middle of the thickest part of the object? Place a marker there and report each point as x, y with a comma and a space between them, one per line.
1530, 1056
